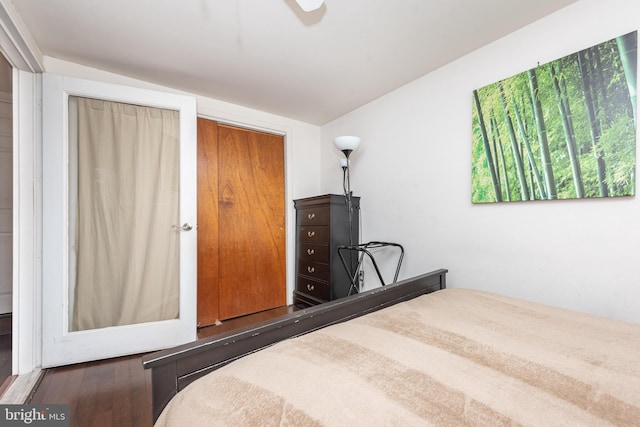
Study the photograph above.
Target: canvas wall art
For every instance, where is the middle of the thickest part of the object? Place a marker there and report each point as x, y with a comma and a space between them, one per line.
562, 130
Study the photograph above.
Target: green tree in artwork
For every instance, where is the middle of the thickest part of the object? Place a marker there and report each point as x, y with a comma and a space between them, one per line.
533, 167
564, 111
547, 165
505, 175
590, 100
628, 47
517, 154
487, 148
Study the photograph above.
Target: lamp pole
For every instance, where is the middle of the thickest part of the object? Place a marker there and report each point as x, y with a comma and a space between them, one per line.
346, 172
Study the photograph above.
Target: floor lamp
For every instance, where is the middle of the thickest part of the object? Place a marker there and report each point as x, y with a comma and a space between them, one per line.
347, 144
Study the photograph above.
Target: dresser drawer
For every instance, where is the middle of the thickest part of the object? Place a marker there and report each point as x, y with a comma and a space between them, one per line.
314, 252
313, 288
313, 233
314, 216
316, 270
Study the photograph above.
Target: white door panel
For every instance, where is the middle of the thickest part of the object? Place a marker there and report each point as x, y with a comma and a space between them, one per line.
60, 346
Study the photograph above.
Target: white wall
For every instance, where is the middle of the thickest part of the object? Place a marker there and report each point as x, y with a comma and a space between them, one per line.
413, 171
302, 174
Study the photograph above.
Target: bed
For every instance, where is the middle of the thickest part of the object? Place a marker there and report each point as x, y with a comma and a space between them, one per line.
414, 353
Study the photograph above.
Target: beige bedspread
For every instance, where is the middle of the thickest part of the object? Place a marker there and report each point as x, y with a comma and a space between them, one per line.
454, 357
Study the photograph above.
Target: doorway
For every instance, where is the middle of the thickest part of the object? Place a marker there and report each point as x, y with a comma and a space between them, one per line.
241, 222
6, 217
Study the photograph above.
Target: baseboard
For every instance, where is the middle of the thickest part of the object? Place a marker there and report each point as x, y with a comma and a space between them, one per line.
22, 387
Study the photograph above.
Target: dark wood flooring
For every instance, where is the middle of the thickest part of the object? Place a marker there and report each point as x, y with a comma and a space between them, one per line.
117, 392
5, 350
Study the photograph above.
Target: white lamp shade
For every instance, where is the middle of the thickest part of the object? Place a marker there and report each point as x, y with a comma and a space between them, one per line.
346, 142
309, 5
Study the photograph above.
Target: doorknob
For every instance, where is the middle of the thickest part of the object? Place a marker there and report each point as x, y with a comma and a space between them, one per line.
184, 227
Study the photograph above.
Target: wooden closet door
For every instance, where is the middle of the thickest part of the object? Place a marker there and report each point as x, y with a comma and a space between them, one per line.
249, 212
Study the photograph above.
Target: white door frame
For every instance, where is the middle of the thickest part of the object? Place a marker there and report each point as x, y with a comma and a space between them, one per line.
21, 51
27, 225
59, 345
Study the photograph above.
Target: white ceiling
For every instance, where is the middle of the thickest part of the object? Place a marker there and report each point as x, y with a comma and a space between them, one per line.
269, 54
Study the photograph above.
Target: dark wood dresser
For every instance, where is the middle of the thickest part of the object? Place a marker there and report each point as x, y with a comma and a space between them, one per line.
322, 224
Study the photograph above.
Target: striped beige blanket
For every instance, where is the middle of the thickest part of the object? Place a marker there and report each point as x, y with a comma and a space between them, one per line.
451, 358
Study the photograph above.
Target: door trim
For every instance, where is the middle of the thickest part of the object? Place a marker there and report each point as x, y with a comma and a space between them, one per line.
21, 51
27, 228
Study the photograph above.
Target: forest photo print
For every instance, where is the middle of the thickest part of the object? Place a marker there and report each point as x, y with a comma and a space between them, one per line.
562, 130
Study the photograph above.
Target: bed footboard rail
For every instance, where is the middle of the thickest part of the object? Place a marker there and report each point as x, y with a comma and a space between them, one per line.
175, 368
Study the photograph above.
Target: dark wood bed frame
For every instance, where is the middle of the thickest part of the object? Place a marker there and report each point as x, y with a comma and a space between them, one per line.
173, 369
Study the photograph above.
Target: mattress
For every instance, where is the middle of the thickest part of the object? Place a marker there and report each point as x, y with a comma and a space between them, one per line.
450, 358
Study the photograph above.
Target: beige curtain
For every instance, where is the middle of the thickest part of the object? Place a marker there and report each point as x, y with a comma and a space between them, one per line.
126, 252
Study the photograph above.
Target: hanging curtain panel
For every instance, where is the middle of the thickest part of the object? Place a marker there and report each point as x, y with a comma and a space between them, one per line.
125, 251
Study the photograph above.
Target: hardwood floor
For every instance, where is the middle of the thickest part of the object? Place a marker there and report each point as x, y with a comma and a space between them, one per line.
239, 322
117, 392
5, 351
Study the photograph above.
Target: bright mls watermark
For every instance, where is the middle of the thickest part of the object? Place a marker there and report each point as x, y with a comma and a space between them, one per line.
34, 415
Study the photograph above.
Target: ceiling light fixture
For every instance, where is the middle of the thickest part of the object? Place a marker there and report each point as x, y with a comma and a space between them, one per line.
309, 5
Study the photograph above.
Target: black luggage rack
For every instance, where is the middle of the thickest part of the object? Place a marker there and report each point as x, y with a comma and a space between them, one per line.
362, 250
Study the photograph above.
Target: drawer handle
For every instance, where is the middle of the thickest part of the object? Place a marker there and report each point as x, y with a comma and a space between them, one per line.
311, 251
311, 233
311, 216
311, 269
310, 287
